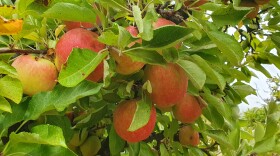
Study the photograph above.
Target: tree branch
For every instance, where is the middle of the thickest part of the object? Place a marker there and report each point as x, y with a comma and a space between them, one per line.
22, 51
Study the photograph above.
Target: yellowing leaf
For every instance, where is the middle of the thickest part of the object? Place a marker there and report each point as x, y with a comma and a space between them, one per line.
7, 11
10, 27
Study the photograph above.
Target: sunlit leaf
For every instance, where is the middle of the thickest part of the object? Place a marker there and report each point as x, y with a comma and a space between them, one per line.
10, 27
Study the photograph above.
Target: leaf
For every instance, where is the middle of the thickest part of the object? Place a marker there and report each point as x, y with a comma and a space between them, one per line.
145, 150
70, 12
142, 115
229, 15
138, 18
148, 20
7, 11
124, 38
273, 59
80, 64
220, 136
170, 54
164, 37
163, 150
146, 56
259, 132
11, 88
275, 37
265, 146
59, 98
43, 140
194, 73
229, 47
10, 27
234, 137
7, 69
23, 4
109, 38
210, 72
5, 105
116, 144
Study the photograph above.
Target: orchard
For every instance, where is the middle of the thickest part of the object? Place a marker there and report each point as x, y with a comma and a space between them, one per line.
136, 77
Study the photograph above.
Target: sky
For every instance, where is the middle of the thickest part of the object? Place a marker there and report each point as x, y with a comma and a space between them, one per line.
262, 88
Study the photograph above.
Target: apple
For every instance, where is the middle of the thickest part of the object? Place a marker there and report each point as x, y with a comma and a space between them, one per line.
69, 25
262, 2
169, 84
248, 3
124, 64
36, 74
162, 22
188, 136
122, 119
78, 138
91, 146
78, 38
187, 110
194, 3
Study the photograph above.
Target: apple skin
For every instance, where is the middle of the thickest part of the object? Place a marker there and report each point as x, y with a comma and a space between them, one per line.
262, 2
36, 74
78, 38
169, 84
91, 146
187, 110
254, 12
162, 22
188, 136
122, 118
69, 25
124, 64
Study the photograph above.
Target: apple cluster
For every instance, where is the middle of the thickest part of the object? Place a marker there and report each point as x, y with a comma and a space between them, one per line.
39, 74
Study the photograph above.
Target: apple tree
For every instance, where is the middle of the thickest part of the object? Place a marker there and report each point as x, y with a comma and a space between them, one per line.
135, 77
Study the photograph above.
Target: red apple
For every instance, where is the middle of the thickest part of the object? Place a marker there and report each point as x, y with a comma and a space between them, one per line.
72, 25
169, 84
78, 38
162, 22
194, 3
188, 136
248, 3
122, 120
125, 65
187, 110
35, 73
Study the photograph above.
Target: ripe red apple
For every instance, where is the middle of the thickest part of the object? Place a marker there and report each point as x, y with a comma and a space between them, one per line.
162, 22
169, 84
78, 38
35, 73
262, 2
188, 136
125, 65
187, 110
72, 25
122, 120
248, 3
194, 3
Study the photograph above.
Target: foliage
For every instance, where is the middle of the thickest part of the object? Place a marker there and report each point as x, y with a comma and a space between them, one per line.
219, 47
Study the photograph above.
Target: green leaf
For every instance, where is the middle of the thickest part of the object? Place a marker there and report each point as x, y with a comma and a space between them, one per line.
11, 88
138, 18
22, 5
146, 56
164, 37
109, 38
265, 146
259, 132
220, 136
163, 150
234, 137
273, 59
170, 54
214, 116
194, 73
142, 115
80, 64
7, 69
70, 12
275, 37
46, 138
62, 122
229, 15
124, 38
59, 98
5, 105
210, 72
145, 149
148, 20
116, 144
229, 47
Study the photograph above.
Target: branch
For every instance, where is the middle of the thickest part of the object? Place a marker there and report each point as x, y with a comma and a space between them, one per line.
22, 51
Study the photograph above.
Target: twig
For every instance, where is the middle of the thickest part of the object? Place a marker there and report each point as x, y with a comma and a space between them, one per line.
22, 51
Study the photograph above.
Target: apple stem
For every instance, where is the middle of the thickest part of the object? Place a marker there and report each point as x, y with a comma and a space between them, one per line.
22, 51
